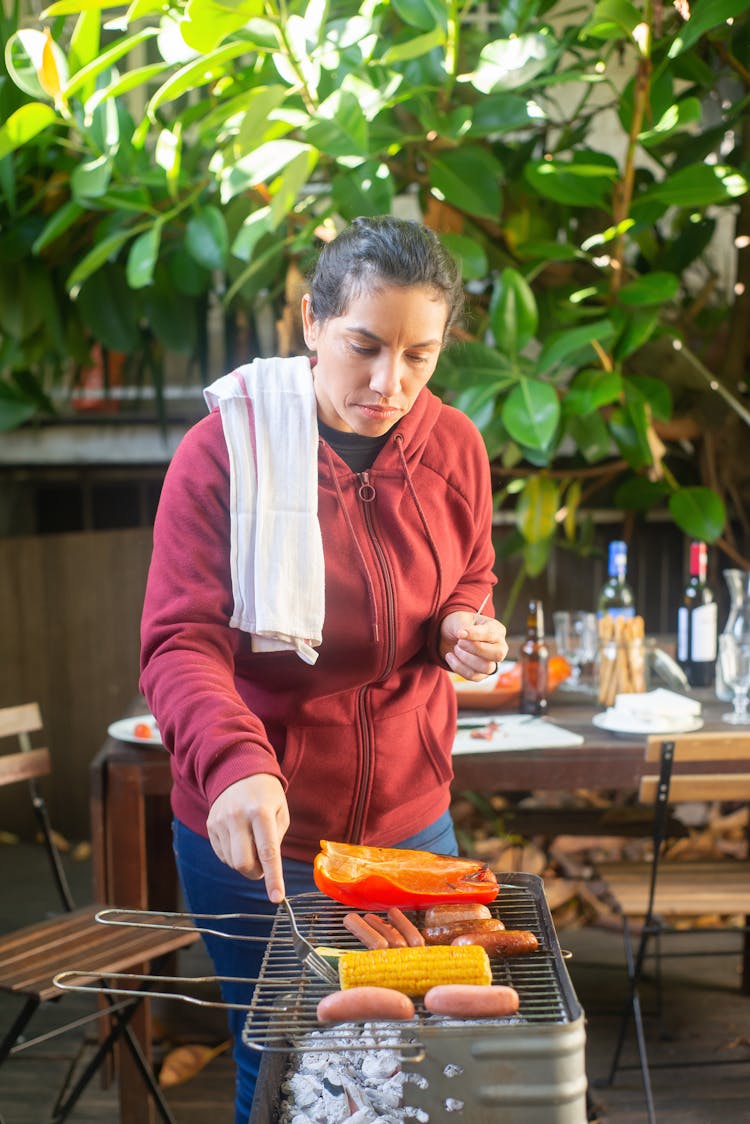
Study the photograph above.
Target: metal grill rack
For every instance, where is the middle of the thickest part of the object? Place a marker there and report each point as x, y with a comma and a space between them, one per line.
282, 1011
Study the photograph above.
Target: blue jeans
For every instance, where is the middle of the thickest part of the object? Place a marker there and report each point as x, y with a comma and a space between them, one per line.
211, 887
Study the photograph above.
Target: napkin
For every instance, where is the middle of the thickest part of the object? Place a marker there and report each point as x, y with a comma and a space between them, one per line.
660, 709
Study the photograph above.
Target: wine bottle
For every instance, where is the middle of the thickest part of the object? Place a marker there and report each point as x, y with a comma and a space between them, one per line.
697, 623
616, 597
534, 663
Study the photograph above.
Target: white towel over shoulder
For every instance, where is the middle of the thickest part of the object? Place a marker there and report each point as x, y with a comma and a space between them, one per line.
277, 565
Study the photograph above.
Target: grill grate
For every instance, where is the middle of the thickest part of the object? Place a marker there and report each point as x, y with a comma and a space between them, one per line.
282, 1012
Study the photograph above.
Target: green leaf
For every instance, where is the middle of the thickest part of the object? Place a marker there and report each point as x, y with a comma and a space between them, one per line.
142, 257
60, 221
339, 127
531, 414
258, 104
572, 182
261, 166
364, 190
640, 494
537, 507
91, 180
651, 288
629, 427
591, 389
637, 329
536, 556
591, 436
84, 44
513, 313
206, 238
195, 74
563, 346
423, 14
24, 124
469, 253
468, 178
675, 117
705, 15
697, 186
503, 113
653, 391
255, 226
130, 80
104, 61
102, 252
14, 411
612, 19
699, 512
110, 310
508, 64
473, 364
413, 47
207, 22
287, 188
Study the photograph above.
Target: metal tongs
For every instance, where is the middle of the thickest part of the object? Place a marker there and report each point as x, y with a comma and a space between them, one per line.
307, 954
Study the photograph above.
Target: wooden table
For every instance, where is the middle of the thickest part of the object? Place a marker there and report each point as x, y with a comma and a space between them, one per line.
133, 864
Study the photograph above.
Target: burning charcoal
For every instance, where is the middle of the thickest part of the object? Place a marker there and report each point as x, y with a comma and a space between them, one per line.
304, 1092
379, 1065
453, 1070
452, 1105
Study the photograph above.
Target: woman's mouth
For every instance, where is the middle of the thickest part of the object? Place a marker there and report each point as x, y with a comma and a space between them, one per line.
378, 413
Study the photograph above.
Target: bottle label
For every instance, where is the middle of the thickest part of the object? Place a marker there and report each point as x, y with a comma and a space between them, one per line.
617, 611
703, 633
683, 621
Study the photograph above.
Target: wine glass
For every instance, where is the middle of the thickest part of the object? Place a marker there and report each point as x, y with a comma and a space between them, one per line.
576, 640
734, 657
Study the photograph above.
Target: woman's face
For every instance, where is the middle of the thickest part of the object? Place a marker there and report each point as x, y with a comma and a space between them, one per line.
375, 358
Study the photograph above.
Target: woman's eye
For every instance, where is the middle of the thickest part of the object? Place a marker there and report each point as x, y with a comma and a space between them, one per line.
361, 349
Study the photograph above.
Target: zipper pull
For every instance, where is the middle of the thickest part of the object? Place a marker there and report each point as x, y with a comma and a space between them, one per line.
366, 490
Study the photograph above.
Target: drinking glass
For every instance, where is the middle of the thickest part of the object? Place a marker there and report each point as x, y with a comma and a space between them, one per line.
576, 640
734, 657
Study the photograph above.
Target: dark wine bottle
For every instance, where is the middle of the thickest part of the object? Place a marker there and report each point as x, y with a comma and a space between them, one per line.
534, 663
697, 623
616, 597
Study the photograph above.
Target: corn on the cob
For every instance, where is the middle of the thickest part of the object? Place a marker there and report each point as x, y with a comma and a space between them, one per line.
415, 970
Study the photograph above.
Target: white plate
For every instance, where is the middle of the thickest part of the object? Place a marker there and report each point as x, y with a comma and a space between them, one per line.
124, 730
645, 726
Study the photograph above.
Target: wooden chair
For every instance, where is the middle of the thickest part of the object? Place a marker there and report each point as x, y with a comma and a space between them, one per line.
32, 956
660, 892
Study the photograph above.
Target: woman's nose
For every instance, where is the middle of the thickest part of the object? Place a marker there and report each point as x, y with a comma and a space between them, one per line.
386, 376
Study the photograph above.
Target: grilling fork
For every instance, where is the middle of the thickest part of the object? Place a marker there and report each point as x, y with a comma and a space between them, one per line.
307, 954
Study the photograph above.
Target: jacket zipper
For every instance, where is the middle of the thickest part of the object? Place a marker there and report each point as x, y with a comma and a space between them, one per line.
366, 493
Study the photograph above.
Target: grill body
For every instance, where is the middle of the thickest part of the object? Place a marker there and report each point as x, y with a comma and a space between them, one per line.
529, 1069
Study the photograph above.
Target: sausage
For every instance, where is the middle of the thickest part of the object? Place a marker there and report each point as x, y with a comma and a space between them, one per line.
365, 933
506, 942
445, 913
445, 934
472, 1000
360, 1004
391, 934
409, 932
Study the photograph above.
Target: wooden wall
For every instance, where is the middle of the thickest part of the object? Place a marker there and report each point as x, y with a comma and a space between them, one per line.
69, 639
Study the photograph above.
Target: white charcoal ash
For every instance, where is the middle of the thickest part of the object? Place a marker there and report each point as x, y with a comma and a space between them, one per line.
359, 1086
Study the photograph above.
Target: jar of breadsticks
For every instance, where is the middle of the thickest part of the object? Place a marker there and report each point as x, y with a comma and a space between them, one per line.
622, 661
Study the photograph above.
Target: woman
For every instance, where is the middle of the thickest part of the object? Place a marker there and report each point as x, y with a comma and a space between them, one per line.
270, 754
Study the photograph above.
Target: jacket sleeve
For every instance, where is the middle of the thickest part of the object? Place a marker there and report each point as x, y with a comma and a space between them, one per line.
187, 646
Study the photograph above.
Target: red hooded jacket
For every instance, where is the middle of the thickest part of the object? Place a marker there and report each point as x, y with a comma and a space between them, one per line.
362, 739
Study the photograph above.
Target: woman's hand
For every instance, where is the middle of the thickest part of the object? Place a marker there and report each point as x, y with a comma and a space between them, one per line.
246, 824
471, 650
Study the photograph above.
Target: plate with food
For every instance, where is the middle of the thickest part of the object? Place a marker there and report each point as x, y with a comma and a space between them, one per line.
140, 730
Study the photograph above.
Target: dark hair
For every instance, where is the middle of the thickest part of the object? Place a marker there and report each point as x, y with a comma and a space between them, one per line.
383, 250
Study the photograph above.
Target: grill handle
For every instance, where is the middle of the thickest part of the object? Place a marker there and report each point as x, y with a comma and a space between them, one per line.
182, 922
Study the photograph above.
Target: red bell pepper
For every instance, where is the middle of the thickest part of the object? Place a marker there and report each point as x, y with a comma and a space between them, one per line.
380, 877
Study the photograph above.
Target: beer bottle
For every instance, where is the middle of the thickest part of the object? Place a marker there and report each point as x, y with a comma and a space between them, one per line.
534, 663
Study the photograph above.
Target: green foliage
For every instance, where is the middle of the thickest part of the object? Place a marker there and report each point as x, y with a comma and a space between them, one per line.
577, 161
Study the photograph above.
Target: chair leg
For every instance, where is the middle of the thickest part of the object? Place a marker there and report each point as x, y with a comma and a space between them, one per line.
633, 1006
10, 1039
69, 1097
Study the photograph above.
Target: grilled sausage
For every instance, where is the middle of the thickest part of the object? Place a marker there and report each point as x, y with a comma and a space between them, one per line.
360, 1004
365, 933
391, 934
505, 942
445, 913
445, 934
409, 932
467, 1001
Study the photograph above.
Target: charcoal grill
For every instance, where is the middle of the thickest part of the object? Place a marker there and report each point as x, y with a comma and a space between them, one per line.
528, 1069
525, 1069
